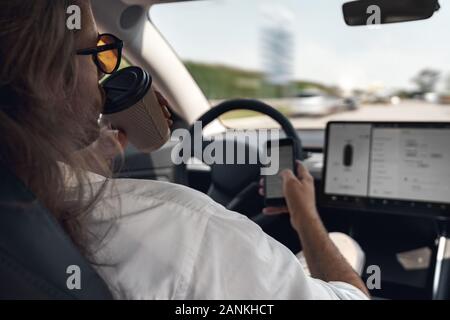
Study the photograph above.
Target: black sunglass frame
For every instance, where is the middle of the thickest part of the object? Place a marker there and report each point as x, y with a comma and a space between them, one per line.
117, 45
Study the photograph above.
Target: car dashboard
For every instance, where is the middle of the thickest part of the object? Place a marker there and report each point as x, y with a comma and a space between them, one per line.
408, 248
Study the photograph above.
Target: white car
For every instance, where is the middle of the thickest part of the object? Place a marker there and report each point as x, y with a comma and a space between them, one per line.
316, 103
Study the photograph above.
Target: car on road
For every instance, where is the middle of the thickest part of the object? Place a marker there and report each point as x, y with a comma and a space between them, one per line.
318, 103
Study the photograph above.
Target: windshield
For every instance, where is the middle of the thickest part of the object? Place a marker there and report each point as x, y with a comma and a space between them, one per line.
301, 58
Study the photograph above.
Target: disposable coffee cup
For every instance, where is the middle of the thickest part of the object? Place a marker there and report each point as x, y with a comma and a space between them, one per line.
132, 107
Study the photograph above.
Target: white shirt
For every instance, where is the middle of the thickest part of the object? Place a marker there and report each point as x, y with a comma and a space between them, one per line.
165, 241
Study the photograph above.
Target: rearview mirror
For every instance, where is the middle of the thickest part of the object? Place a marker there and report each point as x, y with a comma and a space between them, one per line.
371, 12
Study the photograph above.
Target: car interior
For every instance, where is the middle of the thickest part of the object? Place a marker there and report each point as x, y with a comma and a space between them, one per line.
383, 180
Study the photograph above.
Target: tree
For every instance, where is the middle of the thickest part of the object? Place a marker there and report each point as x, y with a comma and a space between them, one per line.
426, 80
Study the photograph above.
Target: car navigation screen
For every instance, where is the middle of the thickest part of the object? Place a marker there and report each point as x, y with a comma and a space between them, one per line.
388, 161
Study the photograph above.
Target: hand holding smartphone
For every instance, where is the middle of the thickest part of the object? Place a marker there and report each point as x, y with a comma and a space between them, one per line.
273, 184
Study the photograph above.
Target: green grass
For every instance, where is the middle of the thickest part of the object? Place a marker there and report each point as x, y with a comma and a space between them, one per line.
224, 82
239, 114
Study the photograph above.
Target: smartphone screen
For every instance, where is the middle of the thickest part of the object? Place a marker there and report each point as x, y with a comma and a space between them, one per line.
273, 183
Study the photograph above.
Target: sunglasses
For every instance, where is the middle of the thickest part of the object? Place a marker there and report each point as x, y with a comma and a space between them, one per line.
107, 55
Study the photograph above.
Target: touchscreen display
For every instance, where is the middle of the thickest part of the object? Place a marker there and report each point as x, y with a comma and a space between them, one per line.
389, 162
348, 160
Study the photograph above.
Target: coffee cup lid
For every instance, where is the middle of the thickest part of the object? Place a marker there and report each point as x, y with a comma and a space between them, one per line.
125, 88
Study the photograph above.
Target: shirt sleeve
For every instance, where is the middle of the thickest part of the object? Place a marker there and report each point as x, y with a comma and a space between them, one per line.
237, 260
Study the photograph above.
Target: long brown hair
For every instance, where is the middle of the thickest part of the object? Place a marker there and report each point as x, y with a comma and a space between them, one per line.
39, 129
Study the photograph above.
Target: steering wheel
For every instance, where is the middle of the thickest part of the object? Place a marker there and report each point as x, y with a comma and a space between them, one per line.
233, 183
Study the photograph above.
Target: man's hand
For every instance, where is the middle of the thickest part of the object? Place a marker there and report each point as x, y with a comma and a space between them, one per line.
112, 142
323, 258
165, 107
299, 194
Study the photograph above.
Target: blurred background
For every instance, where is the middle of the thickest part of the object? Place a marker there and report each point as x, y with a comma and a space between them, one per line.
301, 57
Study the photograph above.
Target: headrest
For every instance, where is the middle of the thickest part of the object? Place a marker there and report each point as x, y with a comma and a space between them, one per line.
35, 252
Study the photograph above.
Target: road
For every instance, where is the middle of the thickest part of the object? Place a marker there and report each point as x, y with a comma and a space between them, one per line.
408, 110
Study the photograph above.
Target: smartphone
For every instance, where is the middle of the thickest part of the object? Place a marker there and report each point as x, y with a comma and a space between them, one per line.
273, 184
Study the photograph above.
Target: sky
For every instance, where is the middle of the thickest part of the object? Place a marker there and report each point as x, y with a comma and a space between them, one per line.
324, 49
